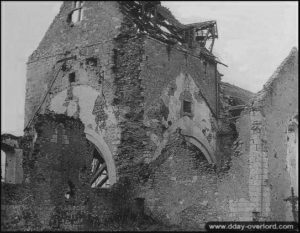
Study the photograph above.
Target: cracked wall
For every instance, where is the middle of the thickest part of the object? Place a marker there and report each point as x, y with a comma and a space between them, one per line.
178, 168
124, 91
59, 164
183, 188
84, 51
169, 77
90, 38
168, 111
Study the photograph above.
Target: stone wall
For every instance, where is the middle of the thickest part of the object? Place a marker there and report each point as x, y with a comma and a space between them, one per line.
279, 104
243, 189
71, 73
92, 36
123, 92
164, 63
264, 148
183, 188
56, 193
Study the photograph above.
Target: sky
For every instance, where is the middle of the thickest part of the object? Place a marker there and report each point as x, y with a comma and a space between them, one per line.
254, 38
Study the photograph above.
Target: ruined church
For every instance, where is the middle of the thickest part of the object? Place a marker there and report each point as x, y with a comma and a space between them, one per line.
127, 119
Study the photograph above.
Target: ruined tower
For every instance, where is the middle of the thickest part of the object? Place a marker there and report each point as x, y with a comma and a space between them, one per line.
126, 118
129, 72
108, 87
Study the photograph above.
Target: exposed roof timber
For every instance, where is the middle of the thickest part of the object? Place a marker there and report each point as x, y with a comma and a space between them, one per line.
236, 107
150, 18
201, 25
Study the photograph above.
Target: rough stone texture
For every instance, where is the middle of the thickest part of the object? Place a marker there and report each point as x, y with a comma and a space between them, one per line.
103, 84
91, 37
11, 159
270, 161
238, 95
278, 103
59, 163
163, 66
183, 188
88, 48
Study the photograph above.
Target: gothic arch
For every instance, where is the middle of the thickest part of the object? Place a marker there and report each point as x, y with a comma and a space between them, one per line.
193, 134
103, 148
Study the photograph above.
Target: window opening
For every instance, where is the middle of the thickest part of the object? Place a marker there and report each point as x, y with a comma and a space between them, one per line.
187, 107
72, 77
3, 165
77, 14
99, 171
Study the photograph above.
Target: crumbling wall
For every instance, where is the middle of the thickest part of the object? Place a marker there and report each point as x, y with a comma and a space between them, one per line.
169, 77
71, 73
175, 173
89, 98
90, 37
265, 121
182, 190
165, 63
243, 190
278, 102
56, 193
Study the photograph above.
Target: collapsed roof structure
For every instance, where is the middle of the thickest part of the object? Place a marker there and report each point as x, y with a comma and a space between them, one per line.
155, 20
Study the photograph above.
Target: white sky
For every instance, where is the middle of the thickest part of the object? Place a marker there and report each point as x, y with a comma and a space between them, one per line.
254, 37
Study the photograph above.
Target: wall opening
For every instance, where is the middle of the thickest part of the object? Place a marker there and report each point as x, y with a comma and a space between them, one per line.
77, 14
72, 77
187, 107
100, 177
3, 165
11, 166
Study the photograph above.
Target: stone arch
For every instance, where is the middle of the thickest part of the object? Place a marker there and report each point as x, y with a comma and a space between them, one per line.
103, 148
193, 134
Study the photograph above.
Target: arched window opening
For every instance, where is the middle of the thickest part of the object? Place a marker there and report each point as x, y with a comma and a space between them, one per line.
76, 15
99, 171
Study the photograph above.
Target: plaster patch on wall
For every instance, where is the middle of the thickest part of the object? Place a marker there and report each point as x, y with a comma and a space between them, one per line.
57, 102
87, 96
72, 107
83, 101
201, 113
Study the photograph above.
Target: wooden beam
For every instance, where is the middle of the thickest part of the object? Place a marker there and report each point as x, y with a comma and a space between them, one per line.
98, 173
103, 181
236, 107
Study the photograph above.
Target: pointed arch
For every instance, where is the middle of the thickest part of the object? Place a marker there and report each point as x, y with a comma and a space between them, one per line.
193, 134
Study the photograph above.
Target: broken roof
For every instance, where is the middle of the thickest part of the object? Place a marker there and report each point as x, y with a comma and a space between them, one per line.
155, 20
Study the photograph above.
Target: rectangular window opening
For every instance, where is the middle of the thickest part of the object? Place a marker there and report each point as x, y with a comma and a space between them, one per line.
72, 77
187, 107
91, 61
76, 14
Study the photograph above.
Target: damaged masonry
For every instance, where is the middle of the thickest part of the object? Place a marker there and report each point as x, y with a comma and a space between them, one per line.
129, 126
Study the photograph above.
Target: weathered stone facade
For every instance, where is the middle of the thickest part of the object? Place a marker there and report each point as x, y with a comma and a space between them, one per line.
267, 158
155, 113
